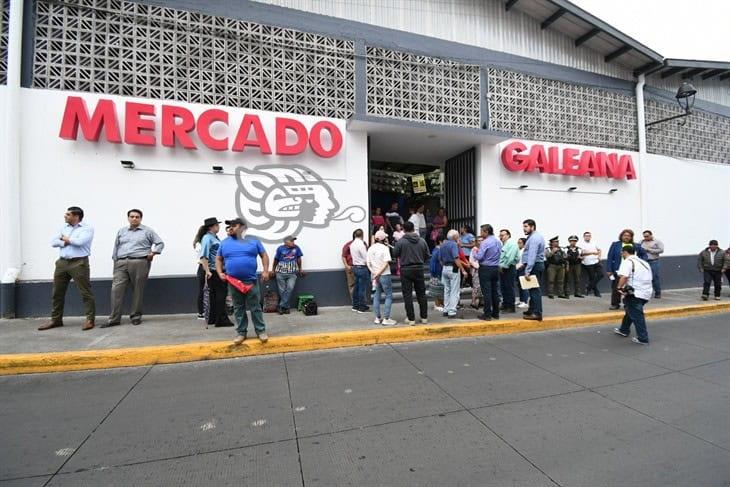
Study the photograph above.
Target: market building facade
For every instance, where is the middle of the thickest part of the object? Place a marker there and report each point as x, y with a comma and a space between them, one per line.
303, 116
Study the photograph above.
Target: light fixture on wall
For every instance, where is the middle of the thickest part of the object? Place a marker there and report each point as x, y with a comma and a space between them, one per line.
685, 99
572, 188
127, 164
612, 190
218, 169
522, 186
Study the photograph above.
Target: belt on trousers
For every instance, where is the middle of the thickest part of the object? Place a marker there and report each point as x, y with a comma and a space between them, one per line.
132, 258
74, 258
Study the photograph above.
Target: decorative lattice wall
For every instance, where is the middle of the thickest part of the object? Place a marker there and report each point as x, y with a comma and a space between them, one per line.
542, 109
131, 49
412, 87
4, 21
700, 136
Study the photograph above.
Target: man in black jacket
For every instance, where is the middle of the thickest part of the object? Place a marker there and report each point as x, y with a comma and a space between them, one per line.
412, 251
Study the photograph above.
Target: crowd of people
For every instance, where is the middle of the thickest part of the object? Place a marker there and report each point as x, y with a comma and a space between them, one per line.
504, 274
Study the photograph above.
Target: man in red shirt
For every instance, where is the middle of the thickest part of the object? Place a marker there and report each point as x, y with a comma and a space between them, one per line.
347, 261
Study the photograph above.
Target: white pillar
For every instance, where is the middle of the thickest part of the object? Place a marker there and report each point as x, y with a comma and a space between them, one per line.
641, 127
10, 241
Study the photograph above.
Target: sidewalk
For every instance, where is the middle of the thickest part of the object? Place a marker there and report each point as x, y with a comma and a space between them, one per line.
22, 336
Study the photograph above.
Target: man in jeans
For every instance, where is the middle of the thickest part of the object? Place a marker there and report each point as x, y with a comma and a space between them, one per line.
653, 248
711, 263
238, 254
452, 268
533, 258
412, 251
359, 254
379, 266
287, 266
637, 274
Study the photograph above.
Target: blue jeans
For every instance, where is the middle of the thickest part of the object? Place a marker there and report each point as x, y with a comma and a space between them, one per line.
654, 264
452, 289
362, 284
524, 294
489, 282
634, 313
285, 283
385, 285
507, 283
535, 305
251, 301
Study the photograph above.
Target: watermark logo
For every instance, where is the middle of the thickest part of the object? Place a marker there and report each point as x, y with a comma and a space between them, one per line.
280, 200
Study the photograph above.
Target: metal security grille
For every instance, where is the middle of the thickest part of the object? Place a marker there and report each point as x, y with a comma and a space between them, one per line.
542, 109
131, 49
4, 21
703, 136
413, 87
461, 201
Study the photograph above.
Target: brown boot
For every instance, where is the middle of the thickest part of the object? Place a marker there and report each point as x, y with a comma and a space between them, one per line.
88, 325
50, 324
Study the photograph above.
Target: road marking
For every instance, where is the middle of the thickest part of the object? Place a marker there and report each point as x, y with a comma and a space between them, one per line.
299, 409
492, 358
467, 365
348, 391
258, 422
64, 452
210, 425
451, 371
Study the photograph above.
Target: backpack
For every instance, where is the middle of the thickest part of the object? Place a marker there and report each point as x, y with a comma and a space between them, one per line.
310, 308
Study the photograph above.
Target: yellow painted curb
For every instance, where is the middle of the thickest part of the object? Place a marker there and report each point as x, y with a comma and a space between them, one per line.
27, 363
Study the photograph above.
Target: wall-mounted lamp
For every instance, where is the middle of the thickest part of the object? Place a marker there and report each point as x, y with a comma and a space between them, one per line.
127, 164
522, 186
612, 190
685, 99
218, 169
572, 188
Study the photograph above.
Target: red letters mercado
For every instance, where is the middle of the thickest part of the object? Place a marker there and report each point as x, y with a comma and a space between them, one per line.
569, 161
177, 123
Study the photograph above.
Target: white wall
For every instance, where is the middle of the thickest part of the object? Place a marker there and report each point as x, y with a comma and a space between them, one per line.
686, 201
57, 173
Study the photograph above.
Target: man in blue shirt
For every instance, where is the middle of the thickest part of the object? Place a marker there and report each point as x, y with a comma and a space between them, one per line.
533, 259
287, 266
74, 243
239, 256
450, 274
488, 256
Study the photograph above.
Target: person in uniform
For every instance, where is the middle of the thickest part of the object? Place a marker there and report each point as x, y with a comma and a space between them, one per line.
555, 258
574, 271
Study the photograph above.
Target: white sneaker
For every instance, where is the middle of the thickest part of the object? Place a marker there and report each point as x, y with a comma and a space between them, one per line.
522, 305
263, 337
239, 339
439, 308
377, 321
410, 322
424, 321
619, 332
636, 340
388, 322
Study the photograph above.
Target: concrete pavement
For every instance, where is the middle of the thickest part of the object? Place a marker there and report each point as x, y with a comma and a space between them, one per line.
569, 408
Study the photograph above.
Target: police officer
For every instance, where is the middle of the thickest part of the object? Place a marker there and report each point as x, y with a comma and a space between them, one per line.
574, 272
555, 257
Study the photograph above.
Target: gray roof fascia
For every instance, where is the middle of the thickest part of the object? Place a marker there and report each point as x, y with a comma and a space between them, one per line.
693, 63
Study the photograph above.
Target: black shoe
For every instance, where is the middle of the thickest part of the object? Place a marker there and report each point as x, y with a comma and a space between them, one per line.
550, 296
365, 309
453, 317
705, 297
563, 296
474, 306
657, 296
484, 317
533, 317
107, 325
525, 313
280, 311
495, 317
597, 294
509, 310
224, 324
137, 321
444, 314
287, 311
614, 307
579, 296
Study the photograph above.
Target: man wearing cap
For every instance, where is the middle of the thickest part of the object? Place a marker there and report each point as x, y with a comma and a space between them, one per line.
378, 260
555, 257
287, 266
239, 255
217, 289
134, 248
74, 243
634, 284
574, 271
711, 263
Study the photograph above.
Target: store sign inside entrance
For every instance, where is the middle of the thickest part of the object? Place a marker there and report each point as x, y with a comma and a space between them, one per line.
177, 126
517, 157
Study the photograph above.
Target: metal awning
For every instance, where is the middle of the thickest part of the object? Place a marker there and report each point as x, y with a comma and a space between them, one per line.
689, 68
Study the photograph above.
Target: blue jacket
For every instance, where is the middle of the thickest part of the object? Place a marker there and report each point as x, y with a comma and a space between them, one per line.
613, 261
435, 268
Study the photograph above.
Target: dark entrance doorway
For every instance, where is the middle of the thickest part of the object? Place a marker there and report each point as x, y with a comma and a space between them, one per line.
460, 189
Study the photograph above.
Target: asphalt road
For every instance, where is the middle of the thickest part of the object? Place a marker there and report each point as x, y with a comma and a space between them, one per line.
570, 408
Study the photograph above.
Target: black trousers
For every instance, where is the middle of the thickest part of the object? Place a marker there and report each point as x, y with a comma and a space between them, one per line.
712, 277
201, 284
489, 281
412, 278
615, 296
217, 290
595, 274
